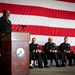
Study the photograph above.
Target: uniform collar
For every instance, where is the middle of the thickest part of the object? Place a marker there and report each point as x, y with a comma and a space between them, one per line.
5, 18
34, 43
66, 42
50, 42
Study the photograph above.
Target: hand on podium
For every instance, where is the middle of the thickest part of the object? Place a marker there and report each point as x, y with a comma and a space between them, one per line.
2, 34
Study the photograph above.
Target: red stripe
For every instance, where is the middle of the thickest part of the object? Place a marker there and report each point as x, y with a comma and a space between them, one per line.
38, 11
73, 1
72, 48
49, 31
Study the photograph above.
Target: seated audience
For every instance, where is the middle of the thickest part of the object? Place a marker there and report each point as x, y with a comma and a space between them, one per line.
65, 51
50, 52
35, 53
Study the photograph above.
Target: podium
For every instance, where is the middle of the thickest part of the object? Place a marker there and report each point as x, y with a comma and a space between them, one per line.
15, 53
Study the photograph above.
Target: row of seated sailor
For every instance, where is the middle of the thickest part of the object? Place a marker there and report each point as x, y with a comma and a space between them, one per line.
50, 52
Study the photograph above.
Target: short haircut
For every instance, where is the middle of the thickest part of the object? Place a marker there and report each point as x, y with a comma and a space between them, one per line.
33, 38
5, 10
65, 37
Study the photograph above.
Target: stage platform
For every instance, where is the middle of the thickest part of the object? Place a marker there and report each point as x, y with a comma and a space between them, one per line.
68, 70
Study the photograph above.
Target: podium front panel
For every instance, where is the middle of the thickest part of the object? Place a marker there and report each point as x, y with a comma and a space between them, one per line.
15, 53
20, 58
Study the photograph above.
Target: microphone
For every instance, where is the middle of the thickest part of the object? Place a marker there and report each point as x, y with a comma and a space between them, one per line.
23, 26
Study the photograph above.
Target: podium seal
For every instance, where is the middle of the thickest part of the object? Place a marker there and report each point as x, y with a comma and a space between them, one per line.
20, 52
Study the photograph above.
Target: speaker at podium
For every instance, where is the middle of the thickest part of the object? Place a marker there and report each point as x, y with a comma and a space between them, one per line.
15, 53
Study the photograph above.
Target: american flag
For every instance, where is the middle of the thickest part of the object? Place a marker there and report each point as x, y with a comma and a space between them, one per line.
43, 19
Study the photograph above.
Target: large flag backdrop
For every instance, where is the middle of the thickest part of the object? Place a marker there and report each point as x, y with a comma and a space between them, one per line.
43, 19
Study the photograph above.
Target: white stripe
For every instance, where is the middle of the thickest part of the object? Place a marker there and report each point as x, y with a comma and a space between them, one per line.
40, 39
44, 3
41, 21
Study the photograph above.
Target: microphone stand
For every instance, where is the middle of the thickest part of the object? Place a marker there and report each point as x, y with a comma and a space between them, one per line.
23, 26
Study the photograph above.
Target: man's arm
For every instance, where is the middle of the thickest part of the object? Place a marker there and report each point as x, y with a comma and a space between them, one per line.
1, 33
46, 48
69, 47
0, 27
37, 47
61, 48
54, 46
30, 46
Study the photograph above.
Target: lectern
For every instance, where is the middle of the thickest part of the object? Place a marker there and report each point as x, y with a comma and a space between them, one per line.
15, 53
